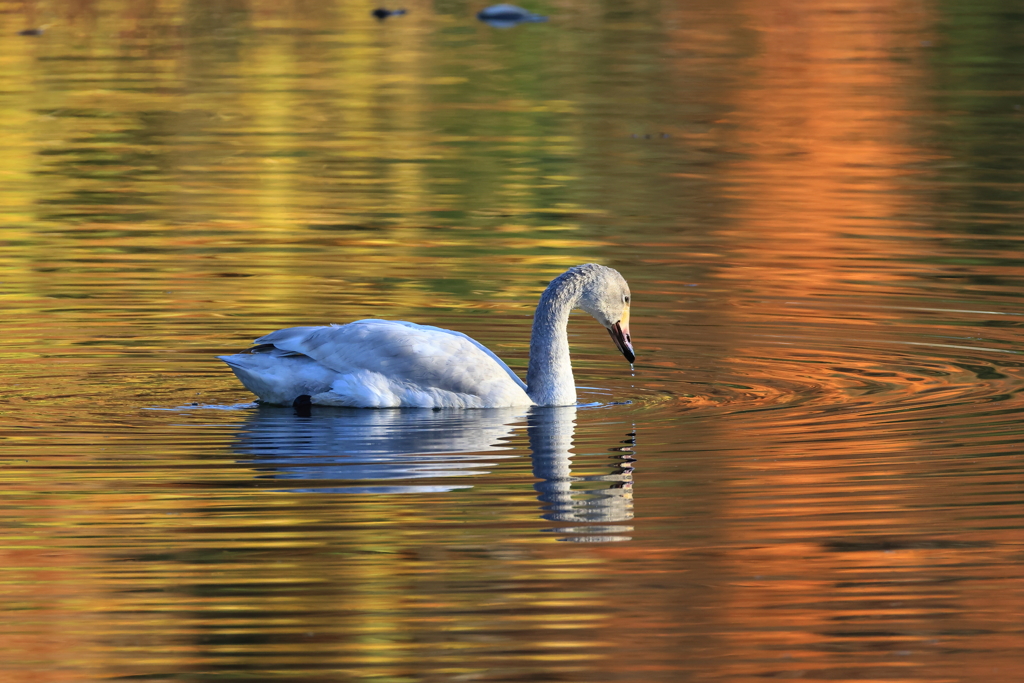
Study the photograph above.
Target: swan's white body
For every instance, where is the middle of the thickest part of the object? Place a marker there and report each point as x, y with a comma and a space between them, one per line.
392, 364
378, 364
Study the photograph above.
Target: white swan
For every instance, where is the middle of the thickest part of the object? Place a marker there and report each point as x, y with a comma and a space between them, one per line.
392, 364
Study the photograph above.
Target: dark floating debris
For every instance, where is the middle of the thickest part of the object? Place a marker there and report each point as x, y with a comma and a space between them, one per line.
648, 136
31, 32
504, 16
383, 14
890, 543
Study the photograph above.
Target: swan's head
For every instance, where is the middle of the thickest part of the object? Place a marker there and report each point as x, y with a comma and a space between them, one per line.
605, 295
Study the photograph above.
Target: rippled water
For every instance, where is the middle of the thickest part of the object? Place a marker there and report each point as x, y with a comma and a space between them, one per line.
814, 471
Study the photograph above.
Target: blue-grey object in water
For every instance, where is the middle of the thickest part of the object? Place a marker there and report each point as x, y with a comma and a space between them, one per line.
382, 13
504, 15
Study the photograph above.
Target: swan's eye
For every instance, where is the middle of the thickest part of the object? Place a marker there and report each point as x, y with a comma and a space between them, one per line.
625, 299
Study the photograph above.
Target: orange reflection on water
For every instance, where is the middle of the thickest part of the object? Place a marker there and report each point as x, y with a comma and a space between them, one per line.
825, 131
836, 571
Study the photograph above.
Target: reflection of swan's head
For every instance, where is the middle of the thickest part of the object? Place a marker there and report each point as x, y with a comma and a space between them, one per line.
605, 295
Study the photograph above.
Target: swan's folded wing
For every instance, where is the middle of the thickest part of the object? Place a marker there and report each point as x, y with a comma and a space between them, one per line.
402, 351
474, 342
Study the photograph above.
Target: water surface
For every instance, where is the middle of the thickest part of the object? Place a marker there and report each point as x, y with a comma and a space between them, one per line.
813, 472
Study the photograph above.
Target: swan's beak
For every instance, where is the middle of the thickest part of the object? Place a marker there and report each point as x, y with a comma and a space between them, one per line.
620, 335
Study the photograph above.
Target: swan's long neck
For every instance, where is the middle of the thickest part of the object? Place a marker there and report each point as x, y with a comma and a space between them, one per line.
549, 380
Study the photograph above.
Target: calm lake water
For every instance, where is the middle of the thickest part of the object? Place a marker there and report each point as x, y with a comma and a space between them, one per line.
815, 470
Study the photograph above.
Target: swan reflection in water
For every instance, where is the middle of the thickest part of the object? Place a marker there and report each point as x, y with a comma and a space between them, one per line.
595, 498
339, 450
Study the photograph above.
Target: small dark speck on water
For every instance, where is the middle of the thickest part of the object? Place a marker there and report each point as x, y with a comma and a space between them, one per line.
31, 32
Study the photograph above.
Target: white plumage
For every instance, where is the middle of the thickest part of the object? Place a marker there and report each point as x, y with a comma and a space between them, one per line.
392, 364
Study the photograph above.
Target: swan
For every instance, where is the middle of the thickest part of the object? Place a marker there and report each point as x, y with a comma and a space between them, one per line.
396, 364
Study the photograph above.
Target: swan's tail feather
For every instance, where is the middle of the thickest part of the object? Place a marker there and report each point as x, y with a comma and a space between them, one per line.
279, 378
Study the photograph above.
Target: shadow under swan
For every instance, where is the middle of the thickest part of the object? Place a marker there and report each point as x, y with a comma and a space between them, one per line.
339, 450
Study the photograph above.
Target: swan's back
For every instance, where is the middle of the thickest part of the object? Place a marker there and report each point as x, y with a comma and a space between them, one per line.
378, 364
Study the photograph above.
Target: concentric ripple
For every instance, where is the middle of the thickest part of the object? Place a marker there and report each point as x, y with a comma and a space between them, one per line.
822, 373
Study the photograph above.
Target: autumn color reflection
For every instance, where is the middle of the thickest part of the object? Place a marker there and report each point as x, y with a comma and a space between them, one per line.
814, 468
829, 154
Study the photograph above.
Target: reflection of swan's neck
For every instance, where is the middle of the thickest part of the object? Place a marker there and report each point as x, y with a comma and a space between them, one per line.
549, 379
597, 498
